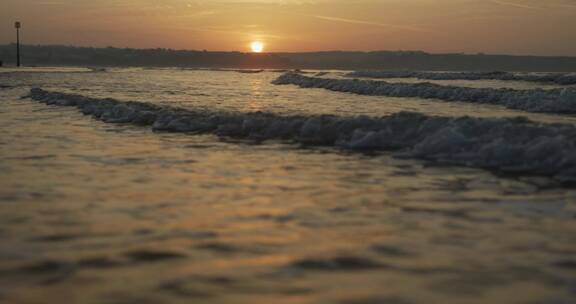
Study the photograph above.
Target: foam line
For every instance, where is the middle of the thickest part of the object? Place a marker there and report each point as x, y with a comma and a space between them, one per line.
508, 145
559, 101
555, 78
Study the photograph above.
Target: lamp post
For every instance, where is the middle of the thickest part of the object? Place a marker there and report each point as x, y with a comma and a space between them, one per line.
17, 25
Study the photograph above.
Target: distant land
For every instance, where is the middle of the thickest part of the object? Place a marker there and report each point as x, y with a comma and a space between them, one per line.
54, 55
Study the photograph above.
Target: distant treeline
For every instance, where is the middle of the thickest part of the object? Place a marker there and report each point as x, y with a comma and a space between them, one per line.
381, 60
85, 56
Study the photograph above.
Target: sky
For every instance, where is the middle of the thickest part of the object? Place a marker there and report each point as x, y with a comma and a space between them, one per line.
534, 27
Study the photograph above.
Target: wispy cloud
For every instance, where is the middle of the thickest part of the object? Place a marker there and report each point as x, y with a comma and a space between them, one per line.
557, 6
385, 25
518, 5
230, 30
571, 4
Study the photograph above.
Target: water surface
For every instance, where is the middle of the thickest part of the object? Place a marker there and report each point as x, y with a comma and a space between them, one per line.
110, 213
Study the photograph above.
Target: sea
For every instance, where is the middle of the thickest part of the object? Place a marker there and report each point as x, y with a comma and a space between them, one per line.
150, 185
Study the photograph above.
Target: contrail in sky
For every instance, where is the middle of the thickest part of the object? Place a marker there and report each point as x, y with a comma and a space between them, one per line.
516, 5
354, 21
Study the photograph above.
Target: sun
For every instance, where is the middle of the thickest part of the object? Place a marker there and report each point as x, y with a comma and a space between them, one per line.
257, 46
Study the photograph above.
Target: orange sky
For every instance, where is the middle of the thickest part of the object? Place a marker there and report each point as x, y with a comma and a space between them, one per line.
541, 27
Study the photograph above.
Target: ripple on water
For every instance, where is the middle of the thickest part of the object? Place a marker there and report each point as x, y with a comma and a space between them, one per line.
149, 256
46, 272
339, 263
132, 216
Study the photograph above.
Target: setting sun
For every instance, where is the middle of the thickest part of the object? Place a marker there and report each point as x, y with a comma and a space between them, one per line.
257, 47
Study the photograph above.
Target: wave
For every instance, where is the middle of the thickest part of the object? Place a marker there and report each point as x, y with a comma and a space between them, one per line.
249, 71
556, 78
508, 145
560, 101
98, 69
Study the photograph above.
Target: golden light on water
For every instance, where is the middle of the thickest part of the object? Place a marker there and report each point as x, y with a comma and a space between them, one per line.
257, 46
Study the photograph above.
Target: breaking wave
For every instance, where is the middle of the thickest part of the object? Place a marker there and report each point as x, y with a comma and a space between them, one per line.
556, 78
560, 101
517, 145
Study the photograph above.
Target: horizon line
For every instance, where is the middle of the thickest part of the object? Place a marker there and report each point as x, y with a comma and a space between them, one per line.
479, 53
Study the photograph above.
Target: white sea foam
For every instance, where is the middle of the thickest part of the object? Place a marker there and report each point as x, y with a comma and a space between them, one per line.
540, 101
556, 78
515, 145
